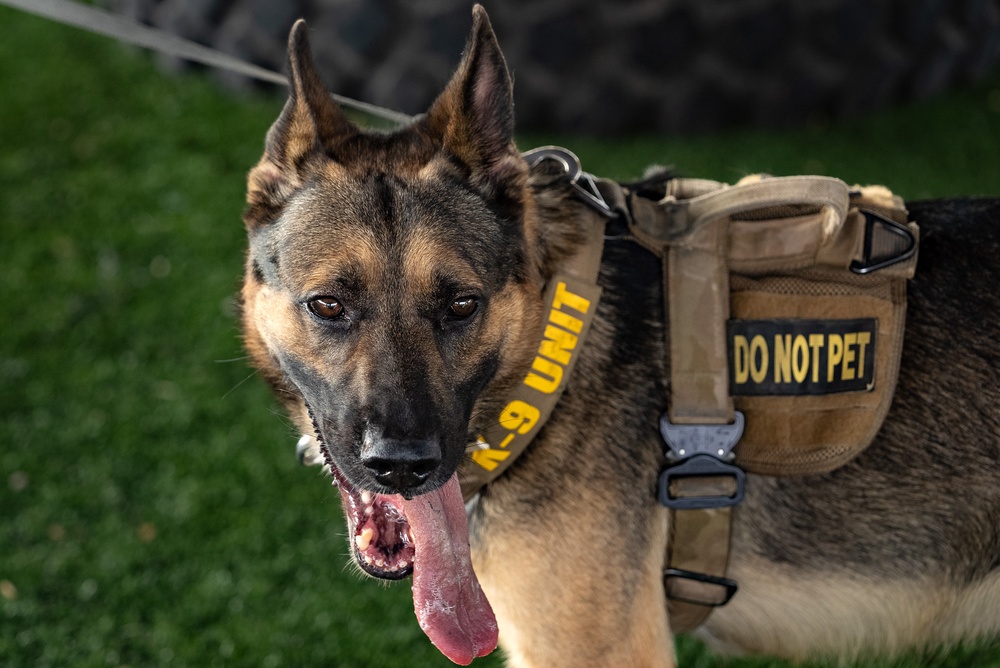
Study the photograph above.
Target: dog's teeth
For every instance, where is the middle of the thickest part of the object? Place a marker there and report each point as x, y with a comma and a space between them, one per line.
369, 510
380, 562
409, 534
401, 565
364, 539
366, 497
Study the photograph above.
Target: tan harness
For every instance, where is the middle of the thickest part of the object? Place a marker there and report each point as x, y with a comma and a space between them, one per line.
786, 300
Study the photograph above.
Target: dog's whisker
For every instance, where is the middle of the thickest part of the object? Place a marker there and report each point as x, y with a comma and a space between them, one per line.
239, 384
241, 358
286, 421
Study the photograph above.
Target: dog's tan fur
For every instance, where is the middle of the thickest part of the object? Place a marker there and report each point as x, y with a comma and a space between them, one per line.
846, 616
898, 549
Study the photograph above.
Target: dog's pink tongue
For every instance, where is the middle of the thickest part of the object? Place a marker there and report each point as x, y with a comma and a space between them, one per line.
450, 605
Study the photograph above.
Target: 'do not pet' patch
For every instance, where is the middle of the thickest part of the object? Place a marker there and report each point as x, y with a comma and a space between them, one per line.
796, 356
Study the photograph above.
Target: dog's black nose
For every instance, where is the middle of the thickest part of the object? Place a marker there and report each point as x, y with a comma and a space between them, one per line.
401, 465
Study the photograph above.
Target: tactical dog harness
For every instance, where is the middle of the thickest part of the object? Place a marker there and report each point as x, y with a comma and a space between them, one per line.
786, 300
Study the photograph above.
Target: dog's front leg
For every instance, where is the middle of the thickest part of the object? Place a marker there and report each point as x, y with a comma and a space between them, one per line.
572, 586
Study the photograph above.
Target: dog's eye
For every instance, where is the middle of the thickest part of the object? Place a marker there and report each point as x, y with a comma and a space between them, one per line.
463, 307
326, 308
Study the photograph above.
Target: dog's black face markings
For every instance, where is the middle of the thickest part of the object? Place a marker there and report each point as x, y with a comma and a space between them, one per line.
385, 269
387, 326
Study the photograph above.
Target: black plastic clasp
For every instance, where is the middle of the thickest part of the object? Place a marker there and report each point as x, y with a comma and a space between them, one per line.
902, 241
701, 466
727, 588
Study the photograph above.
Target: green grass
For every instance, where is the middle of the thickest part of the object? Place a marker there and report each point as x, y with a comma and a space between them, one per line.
151, 510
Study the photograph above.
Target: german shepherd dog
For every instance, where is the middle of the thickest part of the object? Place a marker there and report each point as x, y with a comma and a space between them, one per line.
393, 300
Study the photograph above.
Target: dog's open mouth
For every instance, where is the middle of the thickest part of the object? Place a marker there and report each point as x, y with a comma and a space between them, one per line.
380, 534
427, 536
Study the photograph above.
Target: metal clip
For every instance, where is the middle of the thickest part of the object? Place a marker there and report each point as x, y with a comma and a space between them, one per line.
581, 181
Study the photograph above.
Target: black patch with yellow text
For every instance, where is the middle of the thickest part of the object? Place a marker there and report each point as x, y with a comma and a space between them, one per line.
797, 356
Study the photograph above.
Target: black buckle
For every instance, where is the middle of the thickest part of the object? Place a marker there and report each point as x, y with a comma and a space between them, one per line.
701, 450
701, 466
870, 263
729, 587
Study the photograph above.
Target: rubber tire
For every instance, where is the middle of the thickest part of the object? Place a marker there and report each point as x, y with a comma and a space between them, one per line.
611, 68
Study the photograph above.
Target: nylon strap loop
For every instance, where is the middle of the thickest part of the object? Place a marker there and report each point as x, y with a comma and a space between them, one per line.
699, 541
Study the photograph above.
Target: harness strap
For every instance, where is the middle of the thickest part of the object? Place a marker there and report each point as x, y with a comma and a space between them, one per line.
697, 293
697, 554
586, 264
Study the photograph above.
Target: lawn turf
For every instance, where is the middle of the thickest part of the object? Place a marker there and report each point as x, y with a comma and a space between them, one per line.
151, 510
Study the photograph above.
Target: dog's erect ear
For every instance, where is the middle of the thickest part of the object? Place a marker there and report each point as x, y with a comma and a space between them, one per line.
311, 122
310, 119
474, 117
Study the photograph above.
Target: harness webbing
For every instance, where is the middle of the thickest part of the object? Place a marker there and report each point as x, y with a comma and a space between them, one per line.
696, 290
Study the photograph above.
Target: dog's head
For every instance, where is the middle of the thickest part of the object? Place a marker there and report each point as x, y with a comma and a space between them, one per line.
390, 274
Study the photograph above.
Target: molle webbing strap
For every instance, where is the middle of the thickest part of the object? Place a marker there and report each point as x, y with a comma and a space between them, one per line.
571, 297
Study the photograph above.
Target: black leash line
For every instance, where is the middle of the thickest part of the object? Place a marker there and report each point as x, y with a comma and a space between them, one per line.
118, 27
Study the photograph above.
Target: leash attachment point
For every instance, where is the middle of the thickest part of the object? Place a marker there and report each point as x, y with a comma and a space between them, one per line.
582, 182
